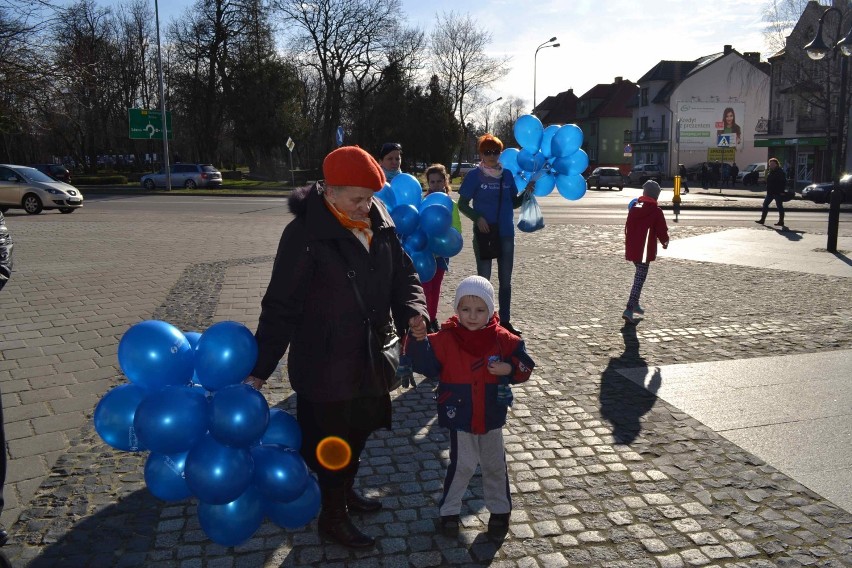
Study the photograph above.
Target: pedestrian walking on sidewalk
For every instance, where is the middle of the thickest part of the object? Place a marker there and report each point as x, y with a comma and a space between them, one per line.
684, 186
477, 360
776, 185
339, 259
6, 247
645, 225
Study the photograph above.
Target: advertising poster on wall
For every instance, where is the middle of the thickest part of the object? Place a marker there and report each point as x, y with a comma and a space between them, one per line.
709, 125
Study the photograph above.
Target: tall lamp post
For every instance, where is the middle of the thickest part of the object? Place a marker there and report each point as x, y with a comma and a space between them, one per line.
548, 43
166, 167
486, 111
817, 49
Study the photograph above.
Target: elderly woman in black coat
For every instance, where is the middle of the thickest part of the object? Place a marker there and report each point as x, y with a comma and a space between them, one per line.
341, 237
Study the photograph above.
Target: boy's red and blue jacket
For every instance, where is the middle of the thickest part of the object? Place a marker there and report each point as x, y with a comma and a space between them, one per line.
467, 392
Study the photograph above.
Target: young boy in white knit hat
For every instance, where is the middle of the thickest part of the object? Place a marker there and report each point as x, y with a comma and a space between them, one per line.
645, 225
476, 360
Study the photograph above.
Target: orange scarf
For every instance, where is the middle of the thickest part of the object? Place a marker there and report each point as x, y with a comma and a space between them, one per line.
361, 229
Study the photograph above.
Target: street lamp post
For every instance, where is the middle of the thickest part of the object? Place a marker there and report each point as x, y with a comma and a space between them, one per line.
817, 49
548, 43
166, 167
486, 111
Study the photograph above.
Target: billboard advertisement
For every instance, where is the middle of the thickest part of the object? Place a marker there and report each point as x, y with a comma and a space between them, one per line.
706, 125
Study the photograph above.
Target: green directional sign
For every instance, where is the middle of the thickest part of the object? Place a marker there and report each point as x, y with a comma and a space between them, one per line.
148, 124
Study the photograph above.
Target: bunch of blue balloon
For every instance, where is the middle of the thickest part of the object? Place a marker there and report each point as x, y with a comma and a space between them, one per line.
549, 156
423, 223
210, 436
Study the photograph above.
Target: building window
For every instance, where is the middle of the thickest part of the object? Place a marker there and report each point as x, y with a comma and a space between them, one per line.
791, 109
645, 96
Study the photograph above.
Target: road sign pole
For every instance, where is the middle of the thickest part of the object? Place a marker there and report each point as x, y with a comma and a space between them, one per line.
166, 167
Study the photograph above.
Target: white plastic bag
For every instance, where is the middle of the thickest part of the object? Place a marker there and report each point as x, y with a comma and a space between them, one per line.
531, 219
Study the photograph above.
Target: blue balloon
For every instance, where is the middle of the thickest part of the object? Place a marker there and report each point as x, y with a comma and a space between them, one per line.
531, 161
577, 162
225, 355
405, 218
114, 417
449, 243
172, 420
164, 476
387, 196
425, 265
415, 242
154, 354
296, 513
435, 220
544, 185
571, 187
239, 415
232, 523
280, 473
192, 337
562, 165
632, 203
547, 138
406, 189
436, 198
528, 131
566, 141
521, 182
509, 159
282, 430
216, 473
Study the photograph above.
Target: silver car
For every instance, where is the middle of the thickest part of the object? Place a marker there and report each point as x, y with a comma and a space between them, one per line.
26, 188
189, 176
606, 177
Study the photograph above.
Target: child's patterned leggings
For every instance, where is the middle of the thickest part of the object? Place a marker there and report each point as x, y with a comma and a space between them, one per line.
638, 282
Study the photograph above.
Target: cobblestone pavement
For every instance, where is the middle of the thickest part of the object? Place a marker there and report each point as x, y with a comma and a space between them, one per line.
603, 473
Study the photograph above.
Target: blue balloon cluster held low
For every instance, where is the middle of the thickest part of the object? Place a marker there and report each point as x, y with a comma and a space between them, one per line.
210, 436
423, 224
551, 157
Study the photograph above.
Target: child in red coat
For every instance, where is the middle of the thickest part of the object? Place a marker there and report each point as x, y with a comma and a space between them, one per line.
476, 360
645, 225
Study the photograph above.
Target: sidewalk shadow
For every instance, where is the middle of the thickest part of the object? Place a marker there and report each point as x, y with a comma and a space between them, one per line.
789, 234
622, 402
843, 257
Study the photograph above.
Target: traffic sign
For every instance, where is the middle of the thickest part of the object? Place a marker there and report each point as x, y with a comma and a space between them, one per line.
148, 124
339, 136
290, 144
726, 140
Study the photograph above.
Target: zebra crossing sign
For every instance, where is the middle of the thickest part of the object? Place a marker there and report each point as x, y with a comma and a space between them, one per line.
726, 140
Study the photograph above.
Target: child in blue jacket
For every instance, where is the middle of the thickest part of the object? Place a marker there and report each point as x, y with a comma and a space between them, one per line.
476, 360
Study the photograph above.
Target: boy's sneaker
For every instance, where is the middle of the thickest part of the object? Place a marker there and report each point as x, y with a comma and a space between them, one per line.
639, 309
628, 317
498, 524
449, 525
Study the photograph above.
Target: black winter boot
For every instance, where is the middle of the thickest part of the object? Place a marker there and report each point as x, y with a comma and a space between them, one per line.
780, 222
357, 503
334, 521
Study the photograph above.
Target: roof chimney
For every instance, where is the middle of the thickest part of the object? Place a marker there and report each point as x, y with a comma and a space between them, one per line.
752, 56
728, 49
618, 80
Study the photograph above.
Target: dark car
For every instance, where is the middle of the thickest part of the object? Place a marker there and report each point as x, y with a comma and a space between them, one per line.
56, 171
606, 177
817, 192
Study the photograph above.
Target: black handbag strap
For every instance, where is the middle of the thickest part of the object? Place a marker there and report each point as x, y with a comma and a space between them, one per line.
350, 275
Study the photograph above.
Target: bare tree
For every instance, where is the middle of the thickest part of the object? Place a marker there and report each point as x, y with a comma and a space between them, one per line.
340, 40
780, 17
460, 61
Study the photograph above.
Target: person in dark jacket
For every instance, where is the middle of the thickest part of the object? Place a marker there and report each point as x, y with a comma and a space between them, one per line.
341, 237
776, 185
476, 360
645, 225
6, 247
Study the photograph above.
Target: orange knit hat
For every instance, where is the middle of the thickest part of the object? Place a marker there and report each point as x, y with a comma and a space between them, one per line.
350, 165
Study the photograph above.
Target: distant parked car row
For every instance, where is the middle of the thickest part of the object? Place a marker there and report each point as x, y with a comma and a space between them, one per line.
189, 176
23, 187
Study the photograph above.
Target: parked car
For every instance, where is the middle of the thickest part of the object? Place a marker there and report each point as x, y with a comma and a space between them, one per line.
643, 172
817, 192
752, 174
23, 187
56, 171
465, 167
189, 176
606, 177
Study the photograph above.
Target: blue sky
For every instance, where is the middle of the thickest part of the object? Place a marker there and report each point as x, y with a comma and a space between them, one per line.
600, 39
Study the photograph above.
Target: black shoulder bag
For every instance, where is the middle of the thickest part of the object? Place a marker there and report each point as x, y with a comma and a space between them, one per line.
488, 244
383, 345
